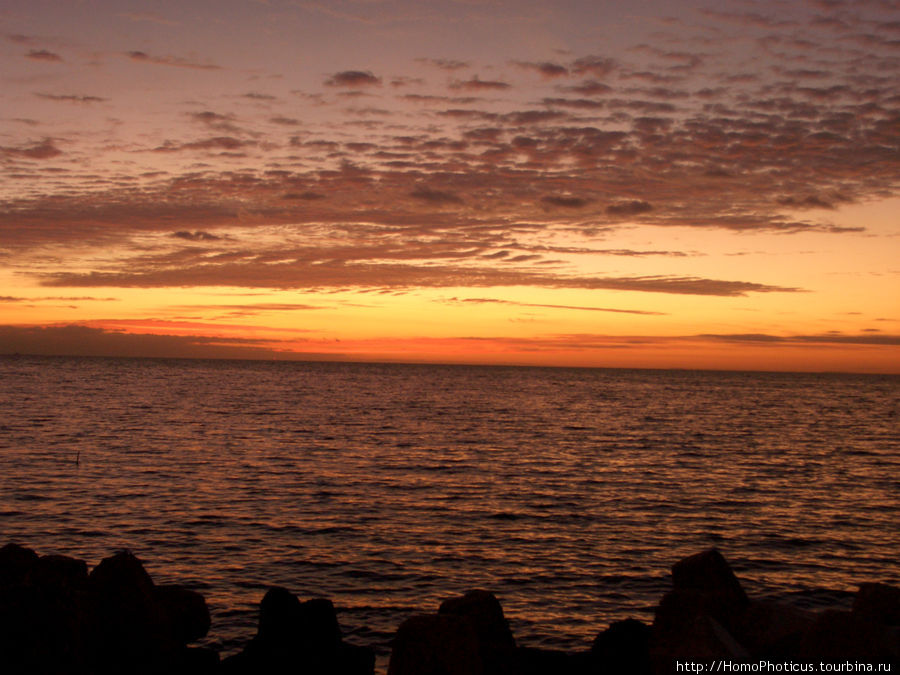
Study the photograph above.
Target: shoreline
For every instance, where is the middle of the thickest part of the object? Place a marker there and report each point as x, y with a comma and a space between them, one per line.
56, 616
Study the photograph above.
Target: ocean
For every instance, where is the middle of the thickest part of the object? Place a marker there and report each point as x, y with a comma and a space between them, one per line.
569, 493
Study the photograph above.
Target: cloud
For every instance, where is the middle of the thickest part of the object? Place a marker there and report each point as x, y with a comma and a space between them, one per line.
588, 88
43, 55
435, 196
498, 301
43, 150
630, 208
353, 78
445, 64
476, 84
597, 66
567, 202
822, 338
546, 69
74, 340
216, 143
175, 61
197, 235
322, 273
72, 98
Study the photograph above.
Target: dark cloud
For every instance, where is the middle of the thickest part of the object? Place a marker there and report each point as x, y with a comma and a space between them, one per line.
216, 143
544, 68
307, 195
824, 338
76, 340
353, 78
285, 121
72, 98
566, 202
43, 55
577, 103
197, 235
476, 84
43, 150
588, 88
445, 64
597, 66
143, 57
435, 196
322, 272
630, 208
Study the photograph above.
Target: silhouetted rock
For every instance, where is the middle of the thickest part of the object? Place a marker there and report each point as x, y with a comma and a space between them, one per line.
708, 571
129, 630
185, 611
697, 619
15, 563
878, 602
59, 571
536, 661
436, 644
197, 661
772, 630
303, 637
837, 635
495, 640
623, 647
43, 613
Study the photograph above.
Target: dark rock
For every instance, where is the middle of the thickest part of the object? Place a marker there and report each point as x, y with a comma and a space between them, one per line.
299, 636
197, 661
623, 647
701, 638
771, 630
185, 611
59, 571
129, 630
319, 626
436, 644
43, 615
709, 572
537, 661
15, 564
495, 640
837, 635
878, 602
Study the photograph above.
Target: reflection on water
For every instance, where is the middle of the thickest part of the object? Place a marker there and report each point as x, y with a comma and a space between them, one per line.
567, 492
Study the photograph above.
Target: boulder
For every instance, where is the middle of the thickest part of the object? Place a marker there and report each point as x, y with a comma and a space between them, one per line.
698, 619
878, 602
701, 638
538, 661
772, 630
15, 563
129, 629
495, 640
43, 613
623, 647
60, 572
838, 635
436, 644
185, 611
708, 571
299, 636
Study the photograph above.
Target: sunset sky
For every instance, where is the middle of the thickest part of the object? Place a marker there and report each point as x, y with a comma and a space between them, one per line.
696, 184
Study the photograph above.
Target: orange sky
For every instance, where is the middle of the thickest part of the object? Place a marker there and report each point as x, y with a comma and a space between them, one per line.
682, 185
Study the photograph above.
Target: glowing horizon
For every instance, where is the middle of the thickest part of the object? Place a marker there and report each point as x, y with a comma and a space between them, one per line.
514, 182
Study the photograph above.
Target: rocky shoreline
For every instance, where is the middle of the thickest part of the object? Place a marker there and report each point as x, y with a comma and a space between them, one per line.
57, 617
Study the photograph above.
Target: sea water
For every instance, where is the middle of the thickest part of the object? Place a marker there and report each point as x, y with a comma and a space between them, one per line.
569, 493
